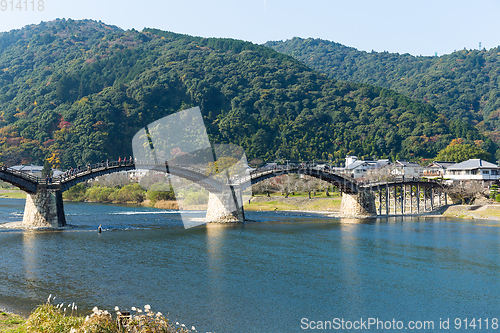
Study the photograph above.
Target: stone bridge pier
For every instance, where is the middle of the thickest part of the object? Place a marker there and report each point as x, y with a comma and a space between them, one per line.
225, 207
44, 209
361, 204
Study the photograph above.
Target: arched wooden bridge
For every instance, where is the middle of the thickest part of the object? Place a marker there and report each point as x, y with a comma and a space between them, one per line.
403, 195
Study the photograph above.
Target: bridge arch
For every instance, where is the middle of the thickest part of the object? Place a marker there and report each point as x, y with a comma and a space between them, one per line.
345, 184
24, 181
44, 205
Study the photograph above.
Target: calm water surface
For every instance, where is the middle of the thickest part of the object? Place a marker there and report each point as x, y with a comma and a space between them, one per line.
263, 276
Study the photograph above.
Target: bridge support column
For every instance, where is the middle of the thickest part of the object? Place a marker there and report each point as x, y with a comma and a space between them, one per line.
403, 198
379, 201
387, 202
411, 199
44, 209
432, 198
225, 207
361, 204
418, 199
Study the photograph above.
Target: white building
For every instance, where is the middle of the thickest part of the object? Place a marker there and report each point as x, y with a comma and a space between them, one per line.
357, 169
137, 174
475, 169
407, 169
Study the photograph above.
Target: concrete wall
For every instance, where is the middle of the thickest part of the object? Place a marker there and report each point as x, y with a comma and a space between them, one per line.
361, 204
44, 209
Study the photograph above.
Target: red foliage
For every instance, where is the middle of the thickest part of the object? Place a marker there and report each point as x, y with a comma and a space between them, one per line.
48, 143
64, 124
14, 141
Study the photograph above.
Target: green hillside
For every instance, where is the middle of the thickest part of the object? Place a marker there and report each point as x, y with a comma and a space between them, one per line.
77, 91
463, 85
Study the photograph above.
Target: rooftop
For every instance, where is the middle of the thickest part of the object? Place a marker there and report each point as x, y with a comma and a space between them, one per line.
442, 164
473, 164
407, 164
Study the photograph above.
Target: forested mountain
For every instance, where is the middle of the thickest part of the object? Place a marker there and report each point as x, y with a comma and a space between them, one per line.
463, 85
77, 91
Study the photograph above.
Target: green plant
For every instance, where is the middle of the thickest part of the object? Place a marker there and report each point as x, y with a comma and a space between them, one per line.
155, 196
76, 193
129, 193
48, 318
196, 198
99, 194
493, 191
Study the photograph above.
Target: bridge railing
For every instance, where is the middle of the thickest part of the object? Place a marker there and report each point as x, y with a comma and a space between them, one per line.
399, 180
89, 168
80, 171
361, 183
20, 174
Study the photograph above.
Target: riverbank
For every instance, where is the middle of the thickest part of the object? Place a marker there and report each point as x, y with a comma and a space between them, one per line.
483, 212
12, 194
280, 203
52, 318
11, 323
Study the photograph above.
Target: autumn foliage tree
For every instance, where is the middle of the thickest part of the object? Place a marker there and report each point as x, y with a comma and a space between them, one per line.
459, 152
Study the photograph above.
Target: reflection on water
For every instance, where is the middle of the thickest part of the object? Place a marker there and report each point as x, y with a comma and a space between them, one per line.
256, 277
349, 261
215, 238
30, 261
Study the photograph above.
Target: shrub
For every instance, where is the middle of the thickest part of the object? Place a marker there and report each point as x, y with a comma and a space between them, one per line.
49, 318
129, 193
497, 198
196, 198
99, 194
76, 193
99, 322
161, 187
155, 196
493, 191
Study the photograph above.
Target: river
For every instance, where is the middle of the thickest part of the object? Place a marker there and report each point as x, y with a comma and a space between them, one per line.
280, 273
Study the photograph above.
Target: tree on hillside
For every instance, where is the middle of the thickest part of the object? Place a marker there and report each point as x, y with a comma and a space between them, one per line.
46, 170
461, 152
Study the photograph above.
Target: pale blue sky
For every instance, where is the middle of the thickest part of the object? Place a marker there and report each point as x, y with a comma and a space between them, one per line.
403, 26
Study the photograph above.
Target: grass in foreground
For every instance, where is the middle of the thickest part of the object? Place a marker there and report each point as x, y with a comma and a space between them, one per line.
11, 323
48, 318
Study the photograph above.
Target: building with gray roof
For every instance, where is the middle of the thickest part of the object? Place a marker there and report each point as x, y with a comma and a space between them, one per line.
474, 169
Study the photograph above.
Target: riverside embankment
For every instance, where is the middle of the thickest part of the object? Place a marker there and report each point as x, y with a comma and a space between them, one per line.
484, 212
